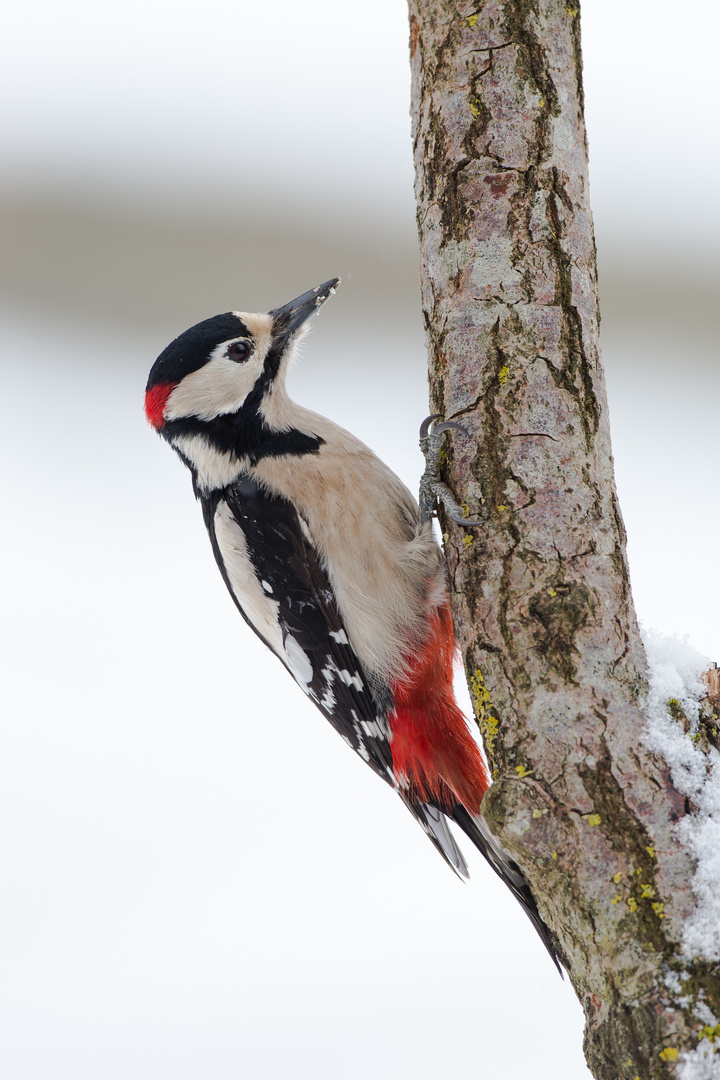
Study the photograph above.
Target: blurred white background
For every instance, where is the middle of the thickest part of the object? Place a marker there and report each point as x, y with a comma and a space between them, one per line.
199, 880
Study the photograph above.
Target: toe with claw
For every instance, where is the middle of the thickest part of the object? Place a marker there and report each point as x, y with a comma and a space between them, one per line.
432, 487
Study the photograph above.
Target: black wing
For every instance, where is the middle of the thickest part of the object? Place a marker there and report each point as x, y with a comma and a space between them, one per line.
299, 619
281, 588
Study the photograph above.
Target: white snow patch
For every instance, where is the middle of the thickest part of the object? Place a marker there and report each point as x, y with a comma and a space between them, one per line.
700, 1064
675, 670
705, 1014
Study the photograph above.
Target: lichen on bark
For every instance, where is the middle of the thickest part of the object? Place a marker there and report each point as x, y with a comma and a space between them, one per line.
541, 596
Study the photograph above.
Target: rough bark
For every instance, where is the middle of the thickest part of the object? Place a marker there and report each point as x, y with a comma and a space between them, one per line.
541, 593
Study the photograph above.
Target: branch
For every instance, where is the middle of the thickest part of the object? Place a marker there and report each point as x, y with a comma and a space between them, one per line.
541, 593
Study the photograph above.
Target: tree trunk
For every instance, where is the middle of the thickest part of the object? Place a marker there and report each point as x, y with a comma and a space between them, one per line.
541, 592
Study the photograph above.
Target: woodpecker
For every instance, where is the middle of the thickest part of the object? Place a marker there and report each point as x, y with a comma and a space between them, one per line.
328, 559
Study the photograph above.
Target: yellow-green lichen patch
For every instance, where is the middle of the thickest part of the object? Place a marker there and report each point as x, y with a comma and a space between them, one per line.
485, 714
503, 375
592, 819
676, 709
472, 19
636, 892
522, 771
467, 541
669, 1054
708, 1032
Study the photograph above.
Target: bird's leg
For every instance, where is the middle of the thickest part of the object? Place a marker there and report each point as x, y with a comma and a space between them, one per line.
432, 487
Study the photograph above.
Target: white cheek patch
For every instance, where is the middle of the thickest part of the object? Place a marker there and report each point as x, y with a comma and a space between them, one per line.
220, 387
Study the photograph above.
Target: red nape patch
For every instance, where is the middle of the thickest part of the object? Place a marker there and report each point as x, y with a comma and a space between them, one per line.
431, 742
155, 402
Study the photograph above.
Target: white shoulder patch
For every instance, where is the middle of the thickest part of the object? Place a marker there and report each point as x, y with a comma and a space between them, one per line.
261, 610
255, 597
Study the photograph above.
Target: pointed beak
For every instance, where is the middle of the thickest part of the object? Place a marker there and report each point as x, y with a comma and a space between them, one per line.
290, 317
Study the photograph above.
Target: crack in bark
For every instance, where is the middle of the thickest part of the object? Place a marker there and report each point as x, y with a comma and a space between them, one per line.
528, 434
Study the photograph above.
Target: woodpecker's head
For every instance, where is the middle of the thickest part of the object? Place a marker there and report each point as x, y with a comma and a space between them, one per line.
227, 363
217, 381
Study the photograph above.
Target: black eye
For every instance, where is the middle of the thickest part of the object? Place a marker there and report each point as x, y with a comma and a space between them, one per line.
239, 351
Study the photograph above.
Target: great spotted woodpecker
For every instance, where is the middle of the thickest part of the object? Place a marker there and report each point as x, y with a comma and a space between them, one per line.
324, 553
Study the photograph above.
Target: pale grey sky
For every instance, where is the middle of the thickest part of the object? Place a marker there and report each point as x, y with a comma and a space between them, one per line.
200, 882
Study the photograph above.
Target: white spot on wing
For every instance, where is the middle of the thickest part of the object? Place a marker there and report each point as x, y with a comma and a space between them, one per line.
328, 700
372, 729
340, 636
298, 662
266, 586
351, 680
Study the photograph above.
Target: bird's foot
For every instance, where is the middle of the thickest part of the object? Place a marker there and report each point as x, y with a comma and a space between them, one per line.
432, 488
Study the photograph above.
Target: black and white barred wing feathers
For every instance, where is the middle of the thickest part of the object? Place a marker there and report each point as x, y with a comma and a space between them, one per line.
277, 581
275, 576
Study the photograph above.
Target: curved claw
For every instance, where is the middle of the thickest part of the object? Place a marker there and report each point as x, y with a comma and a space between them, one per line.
466, 522
427, 424
449, 425
432, 487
